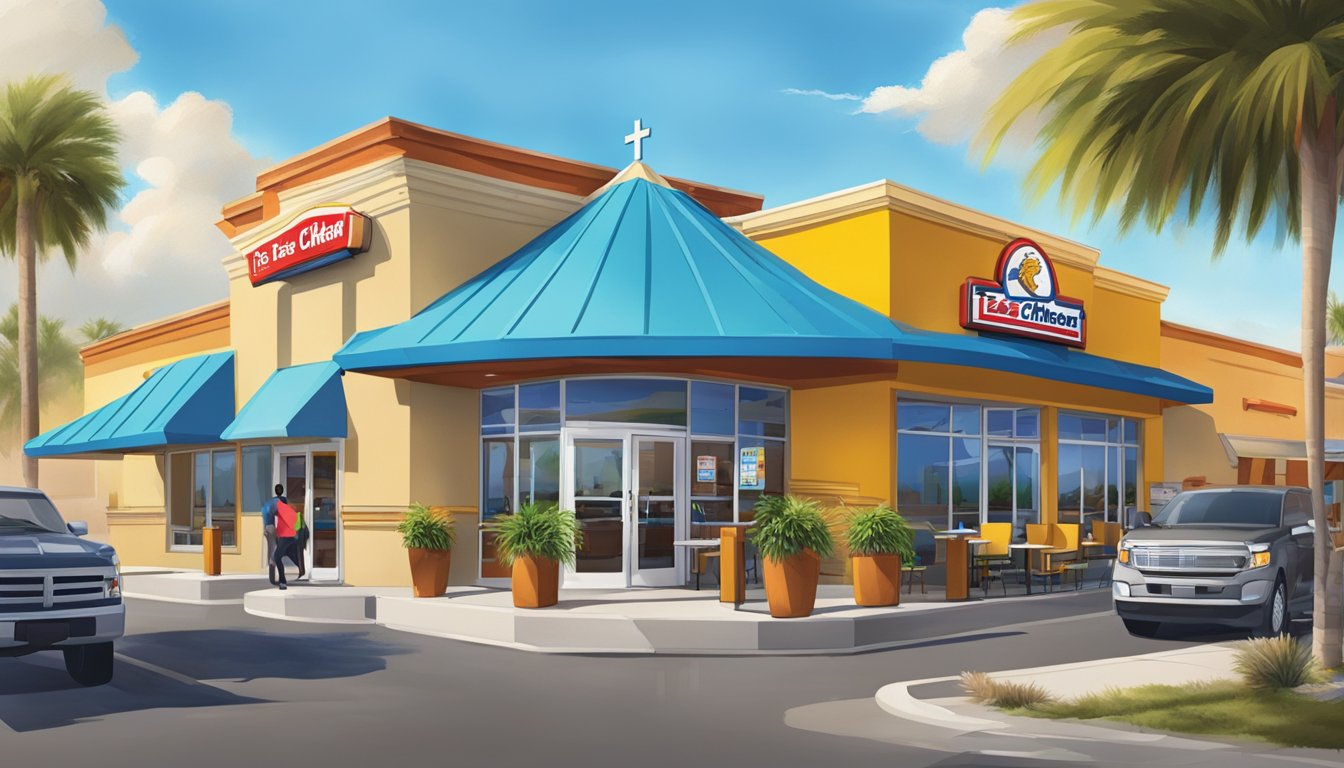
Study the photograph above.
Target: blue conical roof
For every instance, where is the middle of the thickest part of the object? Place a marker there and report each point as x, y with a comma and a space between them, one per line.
641, 270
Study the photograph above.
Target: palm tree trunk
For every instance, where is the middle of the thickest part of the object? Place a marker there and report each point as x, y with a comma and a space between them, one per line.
26, 246
1318, 158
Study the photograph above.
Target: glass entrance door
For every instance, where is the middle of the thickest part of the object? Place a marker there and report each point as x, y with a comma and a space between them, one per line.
309, 475
627, 492
657, 464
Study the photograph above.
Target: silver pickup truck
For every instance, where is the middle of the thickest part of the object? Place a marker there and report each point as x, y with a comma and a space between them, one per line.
57, 591
1240, 557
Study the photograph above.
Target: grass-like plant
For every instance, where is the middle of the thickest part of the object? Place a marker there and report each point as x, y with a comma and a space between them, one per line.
785, 526
1004, 694
880, 530
536, 530
1275, 662
420, 528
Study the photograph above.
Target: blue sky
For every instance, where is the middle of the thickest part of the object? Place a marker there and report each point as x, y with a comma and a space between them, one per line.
709, 77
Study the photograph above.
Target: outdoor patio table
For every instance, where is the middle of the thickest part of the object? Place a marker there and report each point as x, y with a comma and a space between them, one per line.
695, 545
1091, 549
958, 562
1028, 549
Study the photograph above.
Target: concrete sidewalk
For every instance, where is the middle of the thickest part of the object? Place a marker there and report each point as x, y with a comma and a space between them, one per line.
1205, 663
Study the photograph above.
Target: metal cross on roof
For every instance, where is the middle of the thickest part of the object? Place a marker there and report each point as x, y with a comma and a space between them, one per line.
637, 138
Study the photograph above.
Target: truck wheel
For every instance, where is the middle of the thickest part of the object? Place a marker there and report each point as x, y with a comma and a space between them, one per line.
1275, 621
89, 664
1142, 628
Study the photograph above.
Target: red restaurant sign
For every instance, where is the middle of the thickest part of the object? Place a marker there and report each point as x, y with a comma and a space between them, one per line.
1024, 299
315, 238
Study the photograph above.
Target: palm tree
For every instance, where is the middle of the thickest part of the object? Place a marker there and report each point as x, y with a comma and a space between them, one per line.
1159, 109
58, 364
99, 328
58, 180
1334, 320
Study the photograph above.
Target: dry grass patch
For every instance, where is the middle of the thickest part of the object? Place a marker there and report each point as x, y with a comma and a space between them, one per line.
1276, 662
1005, 694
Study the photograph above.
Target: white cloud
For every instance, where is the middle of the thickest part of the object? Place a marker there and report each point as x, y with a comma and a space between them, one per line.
162, 253
950, 102
822, 94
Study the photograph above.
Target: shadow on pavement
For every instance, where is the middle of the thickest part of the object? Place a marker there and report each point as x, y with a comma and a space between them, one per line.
243, 655
37, 694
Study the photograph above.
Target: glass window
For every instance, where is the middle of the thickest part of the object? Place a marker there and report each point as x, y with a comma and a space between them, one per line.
1028, 423
179, 488
999, 422
966, 419
1131, 478
1070, 482
539, 407
223, 489
773, 480
922, 417
539, 469
256, 478
630, 401
1094, 429
1131, 432
1099, 467
965, 482
1094, 484
922, 478
761, 412
200, 494
496, 498
711, 485
711, 408
497, 411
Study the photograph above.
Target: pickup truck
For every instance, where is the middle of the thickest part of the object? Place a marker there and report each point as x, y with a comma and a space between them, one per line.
1240, 557
57, 591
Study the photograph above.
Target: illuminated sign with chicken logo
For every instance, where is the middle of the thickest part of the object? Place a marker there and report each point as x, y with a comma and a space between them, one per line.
1025, 299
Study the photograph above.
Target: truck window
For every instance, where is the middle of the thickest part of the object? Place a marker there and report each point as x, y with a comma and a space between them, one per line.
1296, 510
26, 512
1249, 508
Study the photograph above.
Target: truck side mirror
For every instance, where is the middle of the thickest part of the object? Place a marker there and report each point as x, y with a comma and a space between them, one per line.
1142, 519
79, 528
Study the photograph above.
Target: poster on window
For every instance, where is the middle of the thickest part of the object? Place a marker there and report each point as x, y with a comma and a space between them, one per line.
705, 467
751, 472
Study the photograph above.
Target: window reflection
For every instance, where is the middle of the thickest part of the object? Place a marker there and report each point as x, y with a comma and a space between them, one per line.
630, 401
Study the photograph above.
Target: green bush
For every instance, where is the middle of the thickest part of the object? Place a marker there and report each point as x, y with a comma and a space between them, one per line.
1005, 694
880, 530
422, 529
1275, 662
536, 530
786, 526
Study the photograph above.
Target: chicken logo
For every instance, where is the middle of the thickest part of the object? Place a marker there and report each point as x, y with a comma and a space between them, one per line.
1024, 300
1026, 275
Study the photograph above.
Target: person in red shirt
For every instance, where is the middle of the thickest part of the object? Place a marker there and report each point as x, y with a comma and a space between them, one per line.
285, 537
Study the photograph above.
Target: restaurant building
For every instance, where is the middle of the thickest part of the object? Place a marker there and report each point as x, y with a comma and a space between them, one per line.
419, 316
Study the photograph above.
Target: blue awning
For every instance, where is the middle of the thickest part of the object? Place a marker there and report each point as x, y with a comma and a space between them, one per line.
183, 403
301, 401
644, 271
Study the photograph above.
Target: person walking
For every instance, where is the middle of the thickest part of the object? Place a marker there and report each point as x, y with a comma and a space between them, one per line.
268, 527
286, 518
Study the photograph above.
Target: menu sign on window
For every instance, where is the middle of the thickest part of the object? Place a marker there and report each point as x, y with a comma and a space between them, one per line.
751, 469
705, 467
315, 238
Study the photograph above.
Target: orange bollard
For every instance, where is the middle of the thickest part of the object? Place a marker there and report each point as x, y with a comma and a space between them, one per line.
732, 566
211, 542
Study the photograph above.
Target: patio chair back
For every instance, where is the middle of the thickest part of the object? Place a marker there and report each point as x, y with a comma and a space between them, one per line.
1099, 531
1113, 533
999, 535
1038, 533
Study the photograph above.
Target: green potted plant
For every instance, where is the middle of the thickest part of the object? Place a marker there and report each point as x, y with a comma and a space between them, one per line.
536, 540
428, 538
793, 535
879, 540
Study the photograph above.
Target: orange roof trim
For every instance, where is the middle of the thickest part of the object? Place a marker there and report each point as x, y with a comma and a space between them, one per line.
391, 137
211, 317
1210, 339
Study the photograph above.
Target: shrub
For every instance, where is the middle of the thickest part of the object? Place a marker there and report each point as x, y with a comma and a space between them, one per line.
536, 530
1005, 694
790, 525
880, 531
1275, 662
421, 528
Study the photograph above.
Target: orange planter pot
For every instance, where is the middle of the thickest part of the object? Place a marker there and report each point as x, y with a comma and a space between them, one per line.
536, 582
791, 584
877, 579
429, 571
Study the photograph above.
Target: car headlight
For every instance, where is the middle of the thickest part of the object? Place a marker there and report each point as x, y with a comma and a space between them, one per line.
1123, 554
112, 584
1259, 556
1119, 589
